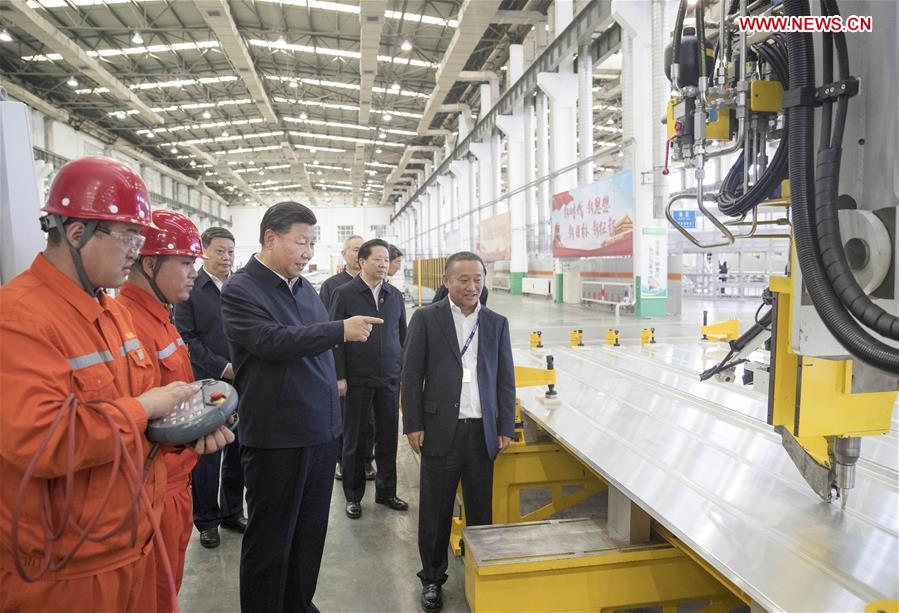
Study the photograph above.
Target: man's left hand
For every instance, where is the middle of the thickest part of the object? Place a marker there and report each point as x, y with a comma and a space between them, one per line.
213, 442
503, 442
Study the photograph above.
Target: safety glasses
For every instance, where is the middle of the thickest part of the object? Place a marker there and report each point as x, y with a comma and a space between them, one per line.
130, 241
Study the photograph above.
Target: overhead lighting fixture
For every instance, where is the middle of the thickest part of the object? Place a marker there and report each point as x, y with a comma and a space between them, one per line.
137, 39
293, 84
261, 173
207, 115
220, 182
174, 149
379, 150
610, 122
395, 86
193, 163
5, 36
406, 46
224, 132
281, 40
387, 117
72, 82
315, 161
150, 134
304, 115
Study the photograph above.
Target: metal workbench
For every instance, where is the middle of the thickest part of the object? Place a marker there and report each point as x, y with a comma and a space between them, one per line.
701, 460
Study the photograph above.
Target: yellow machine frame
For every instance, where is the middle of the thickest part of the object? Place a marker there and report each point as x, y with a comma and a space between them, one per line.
812, 398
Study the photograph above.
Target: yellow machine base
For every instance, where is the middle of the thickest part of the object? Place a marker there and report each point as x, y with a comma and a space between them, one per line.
578, 565
527, 467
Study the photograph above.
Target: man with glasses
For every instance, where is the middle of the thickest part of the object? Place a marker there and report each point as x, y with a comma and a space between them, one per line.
218, 477
66, 348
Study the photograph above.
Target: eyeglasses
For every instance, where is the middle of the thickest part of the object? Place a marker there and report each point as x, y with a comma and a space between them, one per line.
130, 241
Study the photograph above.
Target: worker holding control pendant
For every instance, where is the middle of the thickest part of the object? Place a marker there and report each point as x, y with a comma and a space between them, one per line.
162, 276
78, 508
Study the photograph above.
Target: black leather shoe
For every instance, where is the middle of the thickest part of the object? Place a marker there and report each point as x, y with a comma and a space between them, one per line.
353, 510
238, 525
338, 474
210, 538
370, 472
431, 598
397, 504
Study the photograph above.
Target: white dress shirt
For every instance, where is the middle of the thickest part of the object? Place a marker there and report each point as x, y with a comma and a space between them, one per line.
375, 291
469, 400
218, 282
290, 282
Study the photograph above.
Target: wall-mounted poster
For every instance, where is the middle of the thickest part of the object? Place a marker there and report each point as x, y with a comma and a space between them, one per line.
496, 238
595, 220
654, 268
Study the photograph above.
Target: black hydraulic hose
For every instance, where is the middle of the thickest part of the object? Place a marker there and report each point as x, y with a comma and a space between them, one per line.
838, 321
731, 199
699, 13
827, 220
678, 28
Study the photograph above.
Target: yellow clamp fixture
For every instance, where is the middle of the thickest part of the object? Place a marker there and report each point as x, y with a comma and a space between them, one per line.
612, 338
536, 339
576, 338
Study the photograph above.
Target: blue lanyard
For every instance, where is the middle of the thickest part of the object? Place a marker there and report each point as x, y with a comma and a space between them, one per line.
471, 336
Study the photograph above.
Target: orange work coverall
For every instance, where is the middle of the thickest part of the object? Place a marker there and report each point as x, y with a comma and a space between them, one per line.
56, 340
172, 363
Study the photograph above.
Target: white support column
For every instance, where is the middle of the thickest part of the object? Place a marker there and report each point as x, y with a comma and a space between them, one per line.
530, 210
444, 225
544, 196
474, 218
486, 185
638, 106
512, 126
585, 114
433, 221
461, 169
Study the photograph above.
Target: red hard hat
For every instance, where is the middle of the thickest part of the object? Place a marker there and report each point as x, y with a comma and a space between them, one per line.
99, 188
174, 234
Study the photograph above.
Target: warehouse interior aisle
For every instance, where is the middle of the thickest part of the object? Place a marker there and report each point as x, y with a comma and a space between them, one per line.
379, 553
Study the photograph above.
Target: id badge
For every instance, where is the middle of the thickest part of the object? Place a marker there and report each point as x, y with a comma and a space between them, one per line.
466, 375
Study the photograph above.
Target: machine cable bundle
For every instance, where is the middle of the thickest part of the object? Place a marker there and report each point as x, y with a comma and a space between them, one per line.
130, 466
835, 293
731, 199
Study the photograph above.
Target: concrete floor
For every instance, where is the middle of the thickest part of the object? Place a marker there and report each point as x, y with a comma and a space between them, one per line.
380, 550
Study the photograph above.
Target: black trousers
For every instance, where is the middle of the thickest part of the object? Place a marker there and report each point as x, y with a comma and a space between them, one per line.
211, 504
468, 461
288, 498
382, 402
369, 444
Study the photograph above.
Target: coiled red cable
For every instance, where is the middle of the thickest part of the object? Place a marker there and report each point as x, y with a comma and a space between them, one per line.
130, 467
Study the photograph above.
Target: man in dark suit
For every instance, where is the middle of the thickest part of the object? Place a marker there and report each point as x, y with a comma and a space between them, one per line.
371, 373
442, 292
458, 398
350, 271
199, 320
281, 340
350, 255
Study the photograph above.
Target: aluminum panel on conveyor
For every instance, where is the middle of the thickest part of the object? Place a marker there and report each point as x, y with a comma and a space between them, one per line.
718, 478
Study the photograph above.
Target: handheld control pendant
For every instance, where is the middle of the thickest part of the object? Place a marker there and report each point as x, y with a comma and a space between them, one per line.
213, 406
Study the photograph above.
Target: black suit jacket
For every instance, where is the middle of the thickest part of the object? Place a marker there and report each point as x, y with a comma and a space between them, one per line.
442, 293
377, 361
326, 291
432, 378
199, 321
281, 344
